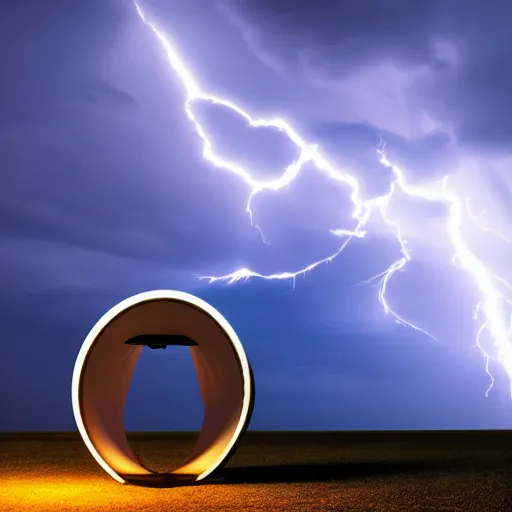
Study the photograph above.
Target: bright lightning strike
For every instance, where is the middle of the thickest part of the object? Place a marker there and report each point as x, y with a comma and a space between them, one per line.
493, 302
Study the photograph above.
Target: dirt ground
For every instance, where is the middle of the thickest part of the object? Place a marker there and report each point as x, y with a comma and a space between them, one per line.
285, 471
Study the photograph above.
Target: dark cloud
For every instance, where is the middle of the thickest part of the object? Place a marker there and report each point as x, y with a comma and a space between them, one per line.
47, 47
338, 36
104, 193
87, 163
461, 46
101, 92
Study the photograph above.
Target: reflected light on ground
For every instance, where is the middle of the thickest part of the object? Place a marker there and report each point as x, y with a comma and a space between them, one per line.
373, 471
78, 493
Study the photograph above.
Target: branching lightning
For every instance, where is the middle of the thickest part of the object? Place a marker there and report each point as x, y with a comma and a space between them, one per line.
494, 300
477, 219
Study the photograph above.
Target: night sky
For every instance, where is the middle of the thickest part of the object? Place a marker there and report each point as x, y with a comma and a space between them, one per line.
104, 193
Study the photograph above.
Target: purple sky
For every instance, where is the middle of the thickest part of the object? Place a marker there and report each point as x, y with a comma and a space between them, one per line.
104, 193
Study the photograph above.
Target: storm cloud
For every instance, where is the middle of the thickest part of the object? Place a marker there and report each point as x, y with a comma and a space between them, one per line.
456, 53
104, 192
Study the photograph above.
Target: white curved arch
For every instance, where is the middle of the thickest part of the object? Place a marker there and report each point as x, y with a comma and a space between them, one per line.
105, 364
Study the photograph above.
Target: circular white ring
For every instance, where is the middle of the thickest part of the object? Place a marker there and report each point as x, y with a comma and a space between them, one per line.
95, 338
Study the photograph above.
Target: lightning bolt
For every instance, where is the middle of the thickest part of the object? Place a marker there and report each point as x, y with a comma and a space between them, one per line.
477, 219
494, 300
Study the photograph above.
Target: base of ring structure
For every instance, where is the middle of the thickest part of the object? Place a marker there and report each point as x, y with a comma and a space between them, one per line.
103, 373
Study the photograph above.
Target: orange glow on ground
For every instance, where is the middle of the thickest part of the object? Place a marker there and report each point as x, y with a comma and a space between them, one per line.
31, 494
46, 493
370, 471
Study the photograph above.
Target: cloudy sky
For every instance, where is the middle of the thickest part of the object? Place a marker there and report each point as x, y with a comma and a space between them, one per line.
104, 193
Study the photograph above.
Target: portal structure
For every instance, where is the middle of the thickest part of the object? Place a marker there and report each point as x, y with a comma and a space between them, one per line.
103, 373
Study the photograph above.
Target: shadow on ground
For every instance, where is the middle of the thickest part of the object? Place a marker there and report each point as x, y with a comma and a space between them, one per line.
335, 471
307, 473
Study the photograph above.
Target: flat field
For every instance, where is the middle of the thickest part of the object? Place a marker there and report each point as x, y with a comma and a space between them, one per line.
272, 471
